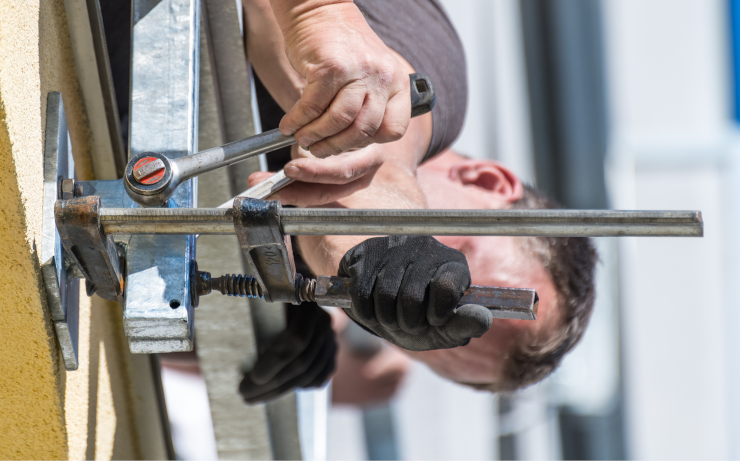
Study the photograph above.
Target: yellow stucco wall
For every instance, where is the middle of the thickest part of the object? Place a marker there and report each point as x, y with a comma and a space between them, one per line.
31, 417
45, 412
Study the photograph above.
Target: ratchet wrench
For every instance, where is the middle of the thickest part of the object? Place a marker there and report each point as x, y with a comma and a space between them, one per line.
151, 178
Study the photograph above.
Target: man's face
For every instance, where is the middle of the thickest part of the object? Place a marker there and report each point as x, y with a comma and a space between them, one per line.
494, 261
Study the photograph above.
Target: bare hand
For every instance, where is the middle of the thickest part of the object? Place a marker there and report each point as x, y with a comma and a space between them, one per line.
357, 92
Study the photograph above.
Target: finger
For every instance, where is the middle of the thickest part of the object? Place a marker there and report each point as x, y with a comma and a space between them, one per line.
286, 347
360, 264
363, 309
258, 177
468, 321
395, 119
413, 299
313, 194
340, 169
361, 132
320, 372
385, 294
316, 97
448, 285
340, 114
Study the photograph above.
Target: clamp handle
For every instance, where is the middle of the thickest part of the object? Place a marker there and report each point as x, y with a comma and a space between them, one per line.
504, 302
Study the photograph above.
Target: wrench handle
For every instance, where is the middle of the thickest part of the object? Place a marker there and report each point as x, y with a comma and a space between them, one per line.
423, 100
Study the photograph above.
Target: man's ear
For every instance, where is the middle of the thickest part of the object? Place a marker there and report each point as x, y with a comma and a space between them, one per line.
489, 176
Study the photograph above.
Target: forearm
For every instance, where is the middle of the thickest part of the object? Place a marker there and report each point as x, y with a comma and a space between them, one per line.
291, 12
323, 253
266, 52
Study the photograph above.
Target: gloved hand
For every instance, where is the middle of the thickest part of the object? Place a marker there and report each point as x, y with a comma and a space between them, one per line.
405, 290
302, 356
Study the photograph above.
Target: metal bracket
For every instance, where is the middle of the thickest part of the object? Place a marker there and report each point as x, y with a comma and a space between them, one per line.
60, 279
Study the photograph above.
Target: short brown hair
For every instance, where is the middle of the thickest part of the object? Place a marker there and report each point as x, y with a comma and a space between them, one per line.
571, 263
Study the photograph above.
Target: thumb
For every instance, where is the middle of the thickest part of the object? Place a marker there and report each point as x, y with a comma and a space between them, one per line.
468, 321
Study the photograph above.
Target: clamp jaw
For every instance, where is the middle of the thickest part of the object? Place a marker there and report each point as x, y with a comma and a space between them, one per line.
268, 250
94, 255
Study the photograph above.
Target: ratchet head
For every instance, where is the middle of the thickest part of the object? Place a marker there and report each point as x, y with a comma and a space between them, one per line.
148, 179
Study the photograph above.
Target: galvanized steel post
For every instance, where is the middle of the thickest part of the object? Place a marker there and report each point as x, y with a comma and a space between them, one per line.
158, 316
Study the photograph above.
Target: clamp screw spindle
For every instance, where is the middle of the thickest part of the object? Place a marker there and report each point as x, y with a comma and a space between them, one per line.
239, 285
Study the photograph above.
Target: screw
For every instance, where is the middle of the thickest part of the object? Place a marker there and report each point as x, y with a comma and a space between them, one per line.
238, 285
149, 170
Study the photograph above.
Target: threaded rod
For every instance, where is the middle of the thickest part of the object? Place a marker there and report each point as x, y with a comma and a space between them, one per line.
240, 285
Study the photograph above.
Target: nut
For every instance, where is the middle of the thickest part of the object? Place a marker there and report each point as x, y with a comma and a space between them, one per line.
68, 189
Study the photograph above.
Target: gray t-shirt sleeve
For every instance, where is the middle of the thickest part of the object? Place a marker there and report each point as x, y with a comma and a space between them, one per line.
421, 32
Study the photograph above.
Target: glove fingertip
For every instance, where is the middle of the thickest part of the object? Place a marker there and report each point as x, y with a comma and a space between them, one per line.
260, 376
246, 388
469, 321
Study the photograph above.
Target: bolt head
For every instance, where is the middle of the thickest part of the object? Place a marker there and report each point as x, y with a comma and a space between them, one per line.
148, 170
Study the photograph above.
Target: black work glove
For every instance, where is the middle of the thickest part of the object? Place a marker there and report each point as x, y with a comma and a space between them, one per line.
302, 356
405, 290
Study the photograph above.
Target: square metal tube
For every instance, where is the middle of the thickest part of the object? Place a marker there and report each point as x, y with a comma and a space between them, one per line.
158, 316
